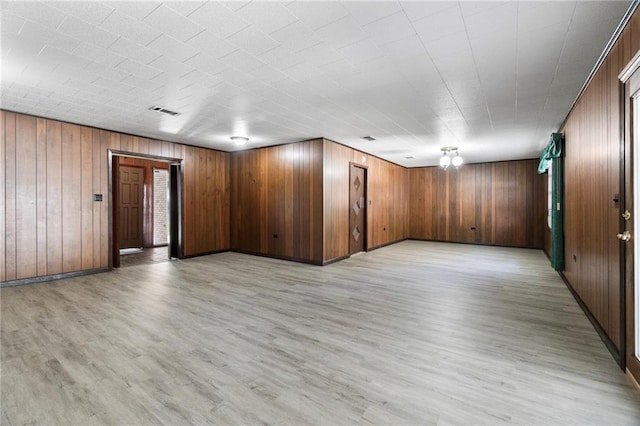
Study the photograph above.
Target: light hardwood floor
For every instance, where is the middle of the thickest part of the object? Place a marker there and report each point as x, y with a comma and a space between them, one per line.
414, 333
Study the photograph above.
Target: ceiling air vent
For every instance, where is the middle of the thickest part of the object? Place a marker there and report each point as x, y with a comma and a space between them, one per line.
368, 138
163, 110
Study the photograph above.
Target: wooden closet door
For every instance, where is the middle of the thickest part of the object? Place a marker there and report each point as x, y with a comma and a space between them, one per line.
357, 210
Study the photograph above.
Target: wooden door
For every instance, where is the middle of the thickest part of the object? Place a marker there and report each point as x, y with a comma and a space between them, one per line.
357, 209
130, 207
630, 240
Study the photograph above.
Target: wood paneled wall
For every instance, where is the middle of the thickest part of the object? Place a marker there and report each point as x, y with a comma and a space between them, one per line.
300, 192
387, 194
207, 200
276, 200
492, 203
148, 166
592, 179
51, 224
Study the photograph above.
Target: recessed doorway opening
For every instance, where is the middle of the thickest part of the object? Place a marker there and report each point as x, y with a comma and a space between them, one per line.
146, 216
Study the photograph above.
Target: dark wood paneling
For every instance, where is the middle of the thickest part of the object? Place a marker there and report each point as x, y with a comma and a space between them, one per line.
102, 143
10, 196
206, 199
495, 203
277, 201
49, 221
96, 169
54, 197
86, 196
26, 196
336, 200
41, 196
71, 199
592, 178
387, 194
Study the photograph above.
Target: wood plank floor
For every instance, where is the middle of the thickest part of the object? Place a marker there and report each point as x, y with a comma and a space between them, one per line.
146, 256
414, 333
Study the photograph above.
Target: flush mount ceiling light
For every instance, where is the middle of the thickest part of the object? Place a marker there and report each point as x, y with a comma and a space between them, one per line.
239, 140
448, 157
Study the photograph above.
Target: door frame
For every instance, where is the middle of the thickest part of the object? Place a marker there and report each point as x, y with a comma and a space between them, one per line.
176, 225
630, 76
365, 231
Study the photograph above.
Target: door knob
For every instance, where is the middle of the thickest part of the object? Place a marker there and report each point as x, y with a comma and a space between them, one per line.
625, 236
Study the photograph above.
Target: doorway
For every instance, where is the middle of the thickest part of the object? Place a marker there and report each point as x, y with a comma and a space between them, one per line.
146, 218
357, 209
630, 243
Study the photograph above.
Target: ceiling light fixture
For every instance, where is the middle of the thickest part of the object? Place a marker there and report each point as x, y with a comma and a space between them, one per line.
448, 158
240, 140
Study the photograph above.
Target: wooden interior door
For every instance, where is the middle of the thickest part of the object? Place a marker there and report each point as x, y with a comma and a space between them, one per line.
630, 243
357, 209
130, 207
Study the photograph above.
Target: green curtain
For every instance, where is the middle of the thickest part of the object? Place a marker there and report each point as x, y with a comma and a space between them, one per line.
552, 153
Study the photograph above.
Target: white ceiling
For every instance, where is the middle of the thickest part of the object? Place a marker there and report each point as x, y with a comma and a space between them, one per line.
493, 78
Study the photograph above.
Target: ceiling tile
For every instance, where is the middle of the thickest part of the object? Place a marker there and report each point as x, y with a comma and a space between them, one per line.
11, 26
81, 30
53, 55
242, 61
253, 41
207, 64
342, 32
89, 11
36, 32
441, 24
218, 19
365, 13
171, 67
587, 13
362, 51
417, 10
135, 9
129, 49
539, 15
390, 28
130, 28
16, 44
172, 48
317, 14
211, 44
37, 12
184, 8
98, 55
95, 69
172, 23
138, 69
267, 17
